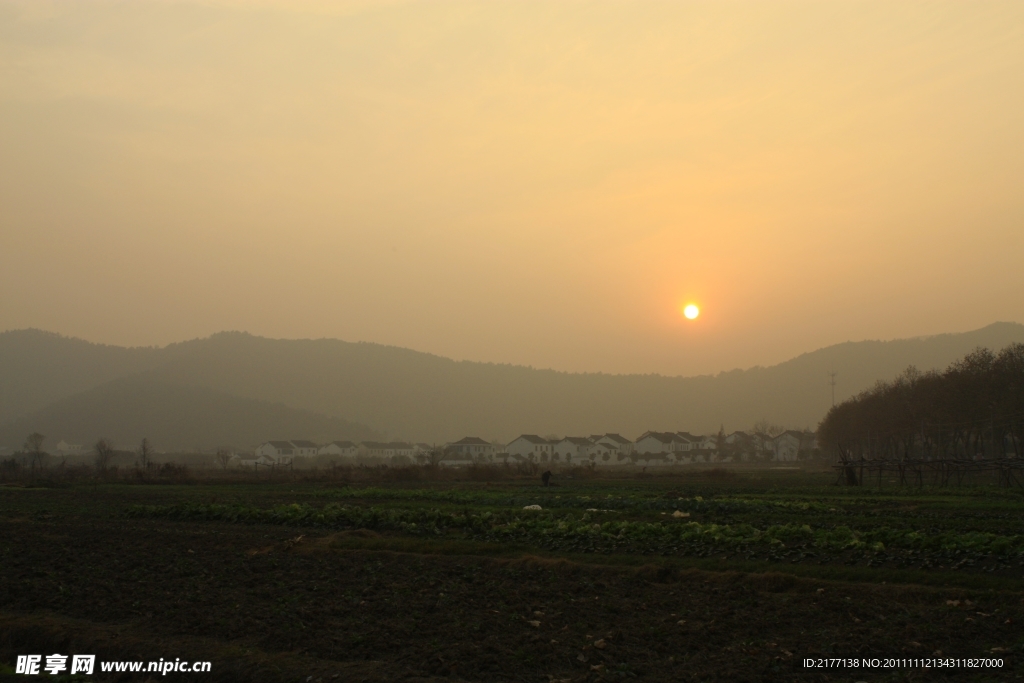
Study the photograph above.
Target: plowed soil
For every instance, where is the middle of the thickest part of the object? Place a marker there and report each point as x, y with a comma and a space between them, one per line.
275, 604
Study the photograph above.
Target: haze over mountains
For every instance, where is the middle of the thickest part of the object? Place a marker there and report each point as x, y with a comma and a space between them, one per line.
235, 389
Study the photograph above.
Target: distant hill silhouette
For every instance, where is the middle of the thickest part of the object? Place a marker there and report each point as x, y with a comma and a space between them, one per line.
174, 418
407, 394
38, 368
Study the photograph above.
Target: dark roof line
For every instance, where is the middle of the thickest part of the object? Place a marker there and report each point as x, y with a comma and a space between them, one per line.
471, 441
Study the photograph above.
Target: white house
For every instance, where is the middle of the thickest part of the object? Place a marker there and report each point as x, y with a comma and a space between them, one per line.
624, 445
425, 452
390, 449
65, 448
708, 443
375, 449
688, 442
283, 451
785, 446
654, 459
788, 445
249, 461
278, 451
456, 459
741, 445
531, 447
605, 454
741, 438
659, 442
572, 449
304, 449
403, 448
472, 448
345, 449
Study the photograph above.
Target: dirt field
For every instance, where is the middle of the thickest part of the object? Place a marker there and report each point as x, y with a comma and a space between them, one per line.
284, 602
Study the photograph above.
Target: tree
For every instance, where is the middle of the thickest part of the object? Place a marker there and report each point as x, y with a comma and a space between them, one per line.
436, 455
972, 410
34, 448
761, 433
776, 430
145, 452
223, 457
721, 446
104, 450
770, 433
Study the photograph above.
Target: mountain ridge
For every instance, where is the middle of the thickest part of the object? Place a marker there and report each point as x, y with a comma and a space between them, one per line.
414, 395
175, 418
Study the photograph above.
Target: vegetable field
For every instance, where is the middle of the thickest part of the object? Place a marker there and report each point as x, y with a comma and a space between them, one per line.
661, 578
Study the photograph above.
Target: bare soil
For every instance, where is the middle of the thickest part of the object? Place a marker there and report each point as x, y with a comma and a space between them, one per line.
283, 604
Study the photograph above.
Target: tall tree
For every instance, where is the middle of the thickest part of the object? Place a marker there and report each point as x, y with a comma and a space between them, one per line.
223, 457
145, 453
34, 448
104, 452
972, 410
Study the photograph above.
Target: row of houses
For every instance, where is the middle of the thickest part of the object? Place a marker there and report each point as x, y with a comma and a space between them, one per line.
667, 447
285, 451
651, 448
571, 449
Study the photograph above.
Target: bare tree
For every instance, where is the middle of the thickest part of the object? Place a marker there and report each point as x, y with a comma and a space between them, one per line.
223, 457
764, 434
34, 448
773, 432
973, 410
436, 455
761, 433
723, 449
145, 453
104, 450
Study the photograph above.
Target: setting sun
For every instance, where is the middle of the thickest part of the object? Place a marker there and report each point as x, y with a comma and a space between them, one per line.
691, 311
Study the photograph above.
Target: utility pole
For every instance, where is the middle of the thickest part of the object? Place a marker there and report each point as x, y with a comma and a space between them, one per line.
832, 383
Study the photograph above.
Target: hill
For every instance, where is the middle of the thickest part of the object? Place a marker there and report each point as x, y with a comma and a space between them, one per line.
38, 368
413, 395
174, 418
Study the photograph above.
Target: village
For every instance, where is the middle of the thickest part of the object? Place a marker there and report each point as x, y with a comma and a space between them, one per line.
651, 449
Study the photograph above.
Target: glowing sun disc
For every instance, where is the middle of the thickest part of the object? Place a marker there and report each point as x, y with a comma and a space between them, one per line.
691, 311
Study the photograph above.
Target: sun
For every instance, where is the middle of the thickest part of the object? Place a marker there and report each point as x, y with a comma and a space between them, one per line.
691, 311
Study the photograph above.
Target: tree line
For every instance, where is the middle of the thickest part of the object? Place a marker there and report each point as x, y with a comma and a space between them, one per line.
104, 452
972, 410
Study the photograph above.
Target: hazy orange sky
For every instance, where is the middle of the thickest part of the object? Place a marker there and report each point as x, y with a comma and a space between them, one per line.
543, 183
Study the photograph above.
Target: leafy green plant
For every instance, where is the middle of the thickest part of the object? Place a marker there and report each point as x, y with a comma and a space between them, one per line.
559, 529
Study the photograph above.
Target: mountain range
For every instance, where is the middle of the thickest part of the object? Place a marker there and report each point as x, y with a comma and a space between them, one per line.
235, 389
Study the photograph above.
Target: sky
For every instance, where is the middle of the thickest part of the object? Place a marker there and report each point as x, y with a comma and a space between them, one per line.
538, 183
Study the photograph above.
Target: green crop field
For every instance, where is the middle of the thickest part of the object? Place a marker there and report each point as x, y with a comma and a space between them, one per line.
713, 575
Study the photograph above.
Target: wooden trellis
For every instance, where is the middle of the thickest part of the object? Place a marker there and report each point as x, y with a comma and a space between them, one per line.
1008, 472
